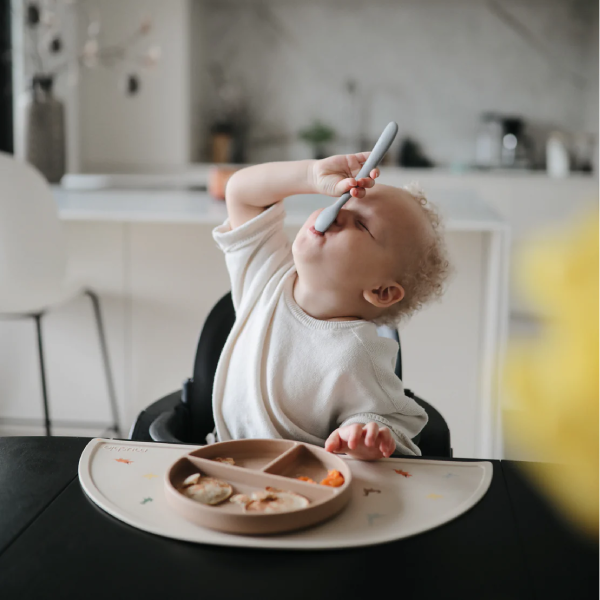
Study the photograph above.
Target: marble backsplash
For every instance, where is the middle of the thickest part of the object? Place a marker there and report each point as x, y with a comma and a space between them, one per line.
433, 66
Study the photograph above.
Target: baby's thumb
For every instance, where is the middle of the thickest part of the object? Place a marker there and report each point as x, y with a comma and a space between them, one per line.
345, 185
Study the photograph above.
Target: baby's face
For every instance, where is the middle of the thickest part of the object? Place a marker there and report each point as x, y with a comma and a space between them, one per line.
369, 244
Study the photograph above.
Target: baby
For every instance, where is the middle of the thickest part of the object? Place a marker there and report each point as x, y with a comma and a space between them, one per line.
304, 360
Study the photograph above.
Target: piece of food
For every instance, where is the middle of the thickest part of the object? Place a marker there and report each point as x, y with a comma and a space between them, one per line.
307, 479
240, 499
271, 500
208, 491
191, 480
401, 472
227, 461
334, 479
276, 502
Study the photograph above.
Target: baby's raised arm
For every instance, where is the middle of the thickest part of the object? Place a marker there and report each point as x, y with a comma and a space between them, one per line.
253, 189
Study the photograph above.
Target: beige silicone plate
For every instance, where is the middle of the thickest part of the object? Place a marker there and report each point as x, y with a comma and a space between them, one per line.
260, 464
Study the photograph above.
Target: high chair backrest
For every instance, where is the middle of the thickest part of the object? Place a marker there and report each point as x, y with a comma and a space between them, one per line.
213, 336
32, 246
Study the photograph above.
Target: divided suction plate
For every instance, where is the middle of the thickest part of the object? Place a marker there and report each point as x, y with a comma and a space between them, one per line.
260, 464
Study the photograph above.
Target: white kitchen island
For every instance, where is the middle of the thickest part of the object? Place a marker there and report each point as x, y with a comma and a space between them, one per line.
151, 257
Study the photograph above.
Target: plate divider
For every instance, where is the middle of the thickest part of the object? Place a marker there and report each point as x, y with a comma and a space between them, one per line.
200, 463
294, 451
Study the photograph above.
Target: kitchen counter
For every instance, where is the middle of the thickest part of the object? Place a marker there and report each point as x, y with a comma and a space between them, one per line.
196, 175
461, 211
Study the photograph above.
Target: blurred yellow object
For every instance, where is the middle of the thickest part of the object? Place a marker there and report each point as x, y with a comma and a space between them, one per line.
554, 379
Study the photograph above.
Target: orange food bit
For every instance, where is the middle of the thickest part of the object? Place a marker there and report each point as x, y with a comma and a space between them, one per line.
334, 479
401, 472
307, 479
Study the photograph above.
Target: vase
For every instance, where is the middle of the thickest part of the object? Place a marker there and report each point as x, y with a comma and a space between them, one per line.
45, 130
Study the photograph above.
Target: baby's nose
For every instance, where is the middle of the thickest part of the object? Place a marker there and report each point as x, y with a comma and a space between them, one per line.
340, 220
336, 225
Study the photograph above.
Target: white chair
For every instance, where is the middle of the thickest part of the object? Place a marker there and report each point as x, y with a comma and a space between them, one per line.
33, 262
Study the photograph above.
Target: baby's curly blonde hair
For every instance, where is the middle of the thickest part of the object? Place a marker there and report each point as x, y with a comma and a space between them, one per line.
424, 282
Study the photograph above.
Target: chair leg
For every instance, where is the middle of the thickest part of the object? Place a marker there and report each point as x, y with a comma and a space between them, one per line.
38, 324
107, 371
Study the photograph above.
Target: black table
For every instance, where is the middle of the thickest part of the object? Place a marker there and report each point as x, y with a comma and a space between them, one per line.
55, 543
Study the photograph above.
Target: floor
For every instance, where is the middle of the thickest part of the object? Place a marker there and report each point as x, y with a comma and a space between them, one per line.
21, 428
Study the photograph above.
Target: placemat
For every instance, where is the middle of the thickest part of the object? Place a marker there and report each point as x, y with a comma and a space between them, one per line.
391, 498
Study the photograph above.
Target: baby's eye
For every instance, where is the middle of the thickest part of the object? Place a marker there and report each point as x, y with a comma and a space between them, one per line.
363, 226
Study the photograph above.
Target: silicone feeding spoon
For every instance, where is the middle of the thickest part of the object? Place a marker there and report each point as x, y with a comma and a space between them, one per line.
329, 215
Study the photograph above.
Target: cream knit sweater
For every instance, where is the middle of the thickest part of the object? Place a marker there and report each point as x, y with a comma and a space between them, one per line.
284, 374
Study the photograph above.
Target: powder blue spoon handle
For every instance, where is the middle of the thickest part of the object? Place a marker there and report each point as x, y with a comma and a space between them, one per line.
329, 215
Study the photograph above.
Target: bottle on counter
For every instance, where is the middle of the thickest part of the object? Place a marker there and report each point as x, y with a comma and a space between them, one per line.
557, 156
489, 141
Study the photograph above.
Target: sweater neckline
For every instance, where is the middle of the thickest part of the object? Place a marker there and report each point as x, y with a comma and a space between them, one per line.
305, 318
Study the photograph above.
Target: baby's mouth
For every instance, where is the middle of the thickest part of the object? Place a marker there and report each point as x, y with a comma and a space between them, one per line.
313, 230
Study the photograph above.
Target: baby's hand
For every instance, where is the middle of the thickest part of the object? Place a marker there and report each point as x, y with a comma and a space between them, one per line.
334, 176
366, 442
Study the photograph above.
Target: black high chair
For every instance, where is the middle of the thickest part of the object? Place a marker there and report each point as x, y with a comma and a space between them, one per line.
186, 416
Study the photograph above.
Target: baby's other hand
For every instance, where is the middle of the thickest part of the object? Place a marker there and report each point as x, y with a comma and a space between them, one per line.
365, 442
335, 175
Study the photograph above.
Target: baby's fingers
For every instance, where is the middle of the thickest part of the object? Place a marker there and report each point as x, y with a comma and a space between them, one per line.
365, 182
358, 159
371, 430
333, 442
345, 185
353, 435
374, 174
387, 444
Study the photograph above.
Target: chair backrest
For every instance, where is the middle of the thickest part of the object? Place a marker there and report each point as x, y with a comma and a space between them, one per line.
213, 336
32, 245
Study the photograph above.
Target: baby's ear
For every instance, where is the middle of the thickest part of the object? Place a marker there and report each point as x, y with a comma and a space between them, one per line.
385, 295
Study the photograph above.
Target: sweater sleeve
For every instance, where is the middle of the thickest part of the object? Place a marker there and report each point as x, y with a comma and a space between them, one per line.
382, 395
254, 252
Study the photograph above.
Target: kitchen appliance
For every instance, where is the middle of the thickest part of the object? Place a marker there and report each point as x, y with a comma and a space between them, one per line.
502, 142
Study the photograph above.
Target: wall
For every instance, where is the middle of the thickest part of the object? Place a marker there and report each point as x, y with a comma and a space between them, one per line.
108, 131
25, 64
152, 129
433, 66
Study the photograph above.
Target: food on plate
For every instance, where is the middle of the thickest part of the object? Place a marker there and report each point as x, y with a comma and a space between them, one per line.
240, 499
227, 461
207, 490
191, 479
334, 479
271, 500
307, 479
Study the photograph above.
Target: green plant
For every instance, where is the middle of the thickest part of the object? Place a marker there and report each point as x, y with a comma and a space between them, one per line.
317, 134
